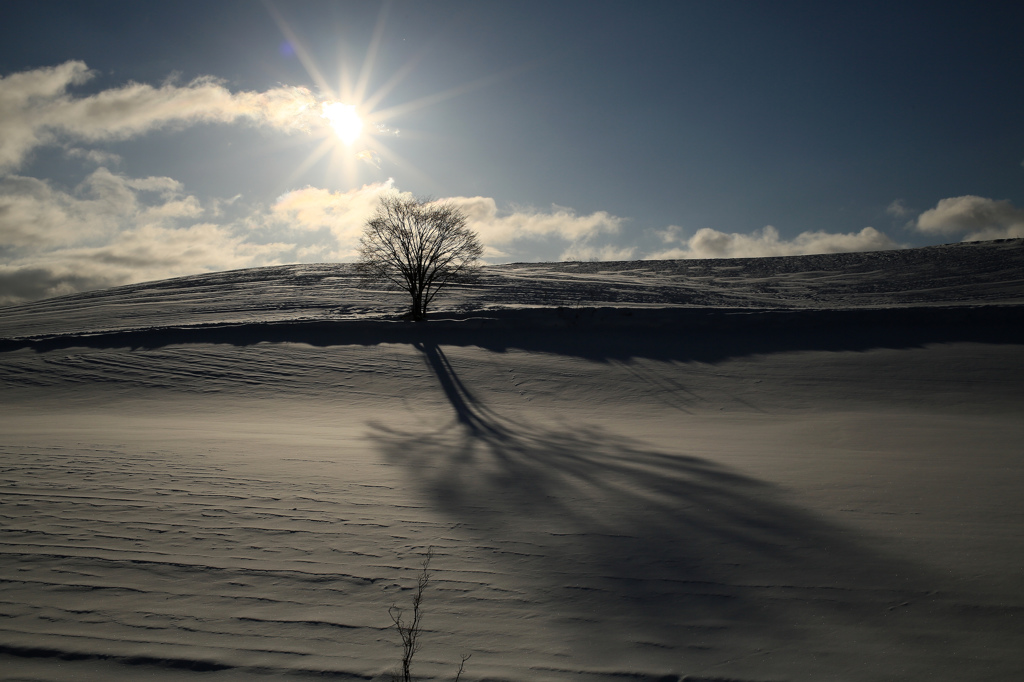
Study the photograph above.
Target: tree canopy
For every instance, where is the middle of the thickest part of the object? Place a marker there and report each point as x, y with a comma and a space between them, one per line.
418, 246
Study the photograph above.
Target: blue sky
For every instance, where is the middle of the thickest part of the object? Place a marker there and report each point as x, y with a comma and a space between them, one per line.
147, 140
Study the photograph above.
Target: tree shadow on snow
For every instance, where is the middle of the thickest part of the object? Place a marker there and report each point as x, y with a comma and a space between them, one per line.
672, 544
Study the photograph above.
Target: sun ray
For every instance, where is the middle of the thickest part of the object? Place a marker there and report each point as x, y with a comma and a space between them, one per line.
390, 85
305, 58
409, 169
325, 146
450, 93
359, 93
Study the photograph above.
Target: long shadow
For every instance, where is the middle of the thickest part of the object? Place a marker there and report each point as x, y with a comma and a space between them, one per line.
675, 547
685, 334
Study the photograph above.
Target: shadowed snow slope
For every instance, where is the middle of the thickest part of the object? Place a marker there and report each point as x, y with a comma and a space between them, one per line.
766, 469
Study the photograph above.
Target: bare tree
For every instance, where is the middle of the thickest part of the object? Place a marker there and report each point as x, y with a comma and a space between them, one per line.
418, 246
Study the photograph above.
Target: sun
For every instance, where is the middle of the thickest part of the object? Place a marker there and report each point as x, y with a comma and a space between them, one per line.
344, 119
350, 116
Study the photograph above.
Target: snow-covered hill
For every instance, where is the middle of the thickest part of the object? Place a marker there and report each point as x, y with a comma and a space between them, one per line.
770, 469
972, 274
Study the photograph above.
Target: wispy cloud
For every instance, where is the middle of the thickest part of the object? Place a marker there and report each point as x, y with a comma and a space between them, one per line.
898, 209
709, 243
95, 156
975, 218
36, 109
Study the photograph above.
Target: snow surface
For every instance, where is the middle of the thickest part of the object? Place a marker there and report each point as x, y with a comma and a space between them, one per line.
801, 468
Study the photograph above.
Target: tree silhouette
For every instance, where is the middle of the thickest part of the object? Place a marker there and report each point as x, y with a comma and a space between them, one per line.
418, 246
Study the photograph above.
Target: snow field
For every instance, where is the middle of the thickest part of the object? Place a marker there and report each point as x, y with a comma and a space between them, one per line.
752, 470
803, 515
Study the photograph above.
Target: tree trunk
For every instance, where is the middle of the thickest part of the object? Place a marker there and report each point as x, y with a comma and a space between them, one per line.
418, 312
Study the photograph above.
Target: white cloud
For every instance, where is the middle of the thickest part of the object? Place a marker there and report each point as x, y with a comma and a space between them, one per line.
343, 214
148, 252
35, 216
709, 243
36, 110
531, 233
111, 230
523, 224
977, 218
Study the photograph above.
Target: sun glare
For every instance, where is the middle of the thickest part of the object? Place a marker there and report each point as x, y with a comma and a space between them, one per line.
353, 113
344, 119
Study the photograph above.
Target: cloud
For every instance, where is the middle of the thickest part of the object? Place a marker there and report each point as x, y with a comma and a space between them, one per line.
35, 216
19, 284
607, 252
554, 234
977, 218
171, 251
709, 243
100, 158
519, 224
670, 234
110, 230
113, 229
897, 209
36, 109
146, 253
342, 214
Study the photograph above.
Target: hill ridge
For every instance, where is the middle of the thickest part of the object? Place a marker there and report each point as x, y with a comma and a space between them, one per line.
972, 274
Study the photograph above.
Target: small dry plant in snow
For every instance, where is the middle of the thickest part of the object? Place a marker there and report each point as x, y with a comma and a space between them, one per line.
410, 630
